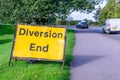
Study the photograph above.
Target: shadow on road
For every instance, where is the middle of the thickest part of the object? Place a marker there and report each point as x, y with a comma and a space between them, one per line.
80, 60
89, 30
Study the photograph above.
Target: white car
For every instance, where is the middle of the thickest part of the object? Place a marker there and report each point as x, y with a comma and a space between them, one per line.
111, 26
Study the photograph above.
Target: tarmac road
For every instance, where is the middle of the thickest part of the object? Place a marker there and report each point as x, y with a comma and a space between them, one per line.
96, 57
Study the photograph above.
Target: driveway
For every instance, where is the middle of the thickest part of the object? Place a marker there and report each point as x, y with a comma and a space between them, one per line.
96, 57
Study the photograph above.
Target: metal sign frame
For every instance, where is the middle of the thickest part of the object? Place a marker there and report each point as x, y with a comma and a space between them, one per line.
37, 59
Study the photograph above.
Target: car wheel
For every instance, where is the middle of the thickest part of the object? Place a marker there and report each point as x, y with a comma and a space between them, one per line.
107, 31
103, 31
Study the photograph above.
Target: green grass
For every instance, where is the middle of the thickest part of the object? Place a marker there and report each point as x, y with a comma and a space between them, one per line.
22, 70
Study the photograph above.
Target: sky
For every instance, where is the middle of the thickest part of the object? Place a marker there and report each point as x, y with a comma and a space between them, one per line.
81, 16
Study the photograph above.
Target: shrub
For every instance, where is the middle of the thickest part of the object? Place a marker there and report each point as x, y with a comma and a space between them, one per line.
7, 29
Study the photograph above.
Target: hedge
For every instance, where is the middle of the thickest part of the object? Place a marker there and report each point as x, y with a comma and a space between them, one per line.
7, 29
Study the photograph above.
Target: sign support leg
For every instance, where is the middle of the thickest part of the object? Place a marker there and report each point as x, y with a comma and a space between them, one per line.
10, 61
63, 65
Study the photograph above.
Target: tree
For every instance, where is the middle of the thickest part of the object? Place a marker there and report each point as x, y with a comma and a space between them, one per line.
41, 11
96, 16
109, 11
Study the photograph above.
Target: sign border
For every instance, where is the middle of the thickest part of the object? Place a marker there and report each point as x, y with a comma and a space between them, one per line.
38, 59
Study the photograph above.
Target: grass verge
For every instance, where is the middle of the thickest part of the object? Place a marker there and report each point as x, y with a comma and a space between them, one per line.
22, 70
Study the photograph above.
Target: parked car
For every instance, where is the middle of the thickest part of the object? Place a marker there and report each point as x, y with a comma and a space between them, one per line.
111, 26
82, 25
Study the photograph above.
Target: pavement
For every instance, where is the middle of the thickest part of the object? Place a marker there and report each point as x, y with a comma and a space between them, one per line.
96, 57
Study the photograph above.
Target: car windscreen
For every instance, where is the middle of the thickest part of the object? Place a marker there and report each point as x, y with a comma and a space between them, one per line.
84, 23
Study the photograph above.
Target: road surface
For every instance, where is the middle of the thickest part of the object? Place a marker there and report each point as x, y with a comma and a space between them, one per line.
96, 56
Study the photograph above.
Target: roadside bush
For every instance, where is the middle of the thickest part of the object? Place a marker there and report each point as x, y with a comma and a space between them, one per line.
7, 29
64, 22
74, 22
61, 22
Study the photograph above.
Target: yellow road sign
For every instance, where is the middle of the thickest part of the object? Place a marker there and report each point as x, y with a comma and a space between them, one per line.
39, 42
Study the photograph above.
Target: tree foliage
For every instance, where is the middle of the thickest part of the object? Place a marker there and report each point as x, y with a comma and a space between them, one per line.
41, 11
109, 11
96, 14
